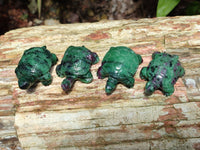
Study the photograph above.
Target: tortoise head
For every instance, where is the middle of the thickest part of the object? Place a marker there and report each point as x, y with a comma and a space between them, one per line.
110, 85
24, 84
93, 57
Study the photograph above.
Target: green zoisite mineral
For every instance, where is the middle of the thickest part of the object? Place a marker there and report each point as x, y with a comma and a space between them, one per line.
34, 67
75, 65
119, 65
162, 73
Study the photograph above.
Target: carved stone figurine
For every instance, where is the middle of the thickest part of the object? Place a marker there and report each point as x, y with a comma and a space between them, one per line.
162, 73
34, 66
119, 65
75, 65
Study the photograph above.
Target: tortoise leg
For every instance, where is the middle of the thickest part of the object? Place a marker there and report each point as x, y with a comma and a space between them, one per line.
59, 71
155, 54
129, 82
87, 78
149, 88
139, 58
54, 59
182, 72
143, 73
46, 79
111, 85
68, 83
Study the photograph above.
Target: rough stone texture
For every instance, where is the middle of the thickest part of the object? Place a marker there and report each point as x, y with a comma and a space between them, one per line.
47, 118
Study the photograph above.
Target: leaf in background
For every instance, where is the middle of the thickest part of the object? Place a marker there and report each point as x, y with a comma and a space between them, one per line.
193, 8
32, 6
39, 4
165, 7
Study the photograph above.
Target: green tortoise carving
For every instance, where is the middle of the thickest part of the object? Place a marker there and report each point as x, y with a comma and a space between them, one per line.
75, 65
162, 73
34, 66
119, 65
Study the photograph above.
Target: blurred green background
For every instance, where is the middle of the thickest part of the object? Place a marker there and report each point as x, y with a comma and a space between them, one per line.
24, 13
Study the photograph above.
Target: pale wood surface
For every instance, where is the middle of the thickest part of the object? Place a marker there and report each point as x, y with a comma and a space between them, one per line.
87, 118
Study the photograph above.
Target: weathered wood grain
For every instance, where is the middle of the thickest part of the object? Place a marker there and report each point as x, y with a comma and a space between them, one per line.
86, 118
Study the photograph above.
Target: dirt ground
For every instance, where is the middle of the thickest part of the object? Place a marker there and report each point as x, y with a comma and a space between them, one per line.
23, 13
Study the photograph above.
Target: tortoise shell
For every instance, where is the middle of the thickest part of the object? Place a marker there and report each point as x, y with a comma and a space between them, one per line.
75, 65
162, 73
119, 65
34, 66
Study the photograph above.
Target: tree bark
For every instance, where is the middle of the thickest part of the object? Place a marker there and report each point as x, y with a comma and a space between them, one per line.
86, 118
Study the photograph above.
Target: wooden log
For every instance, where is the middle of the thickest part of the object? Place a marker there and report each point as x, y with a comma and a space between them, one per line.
86, 118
